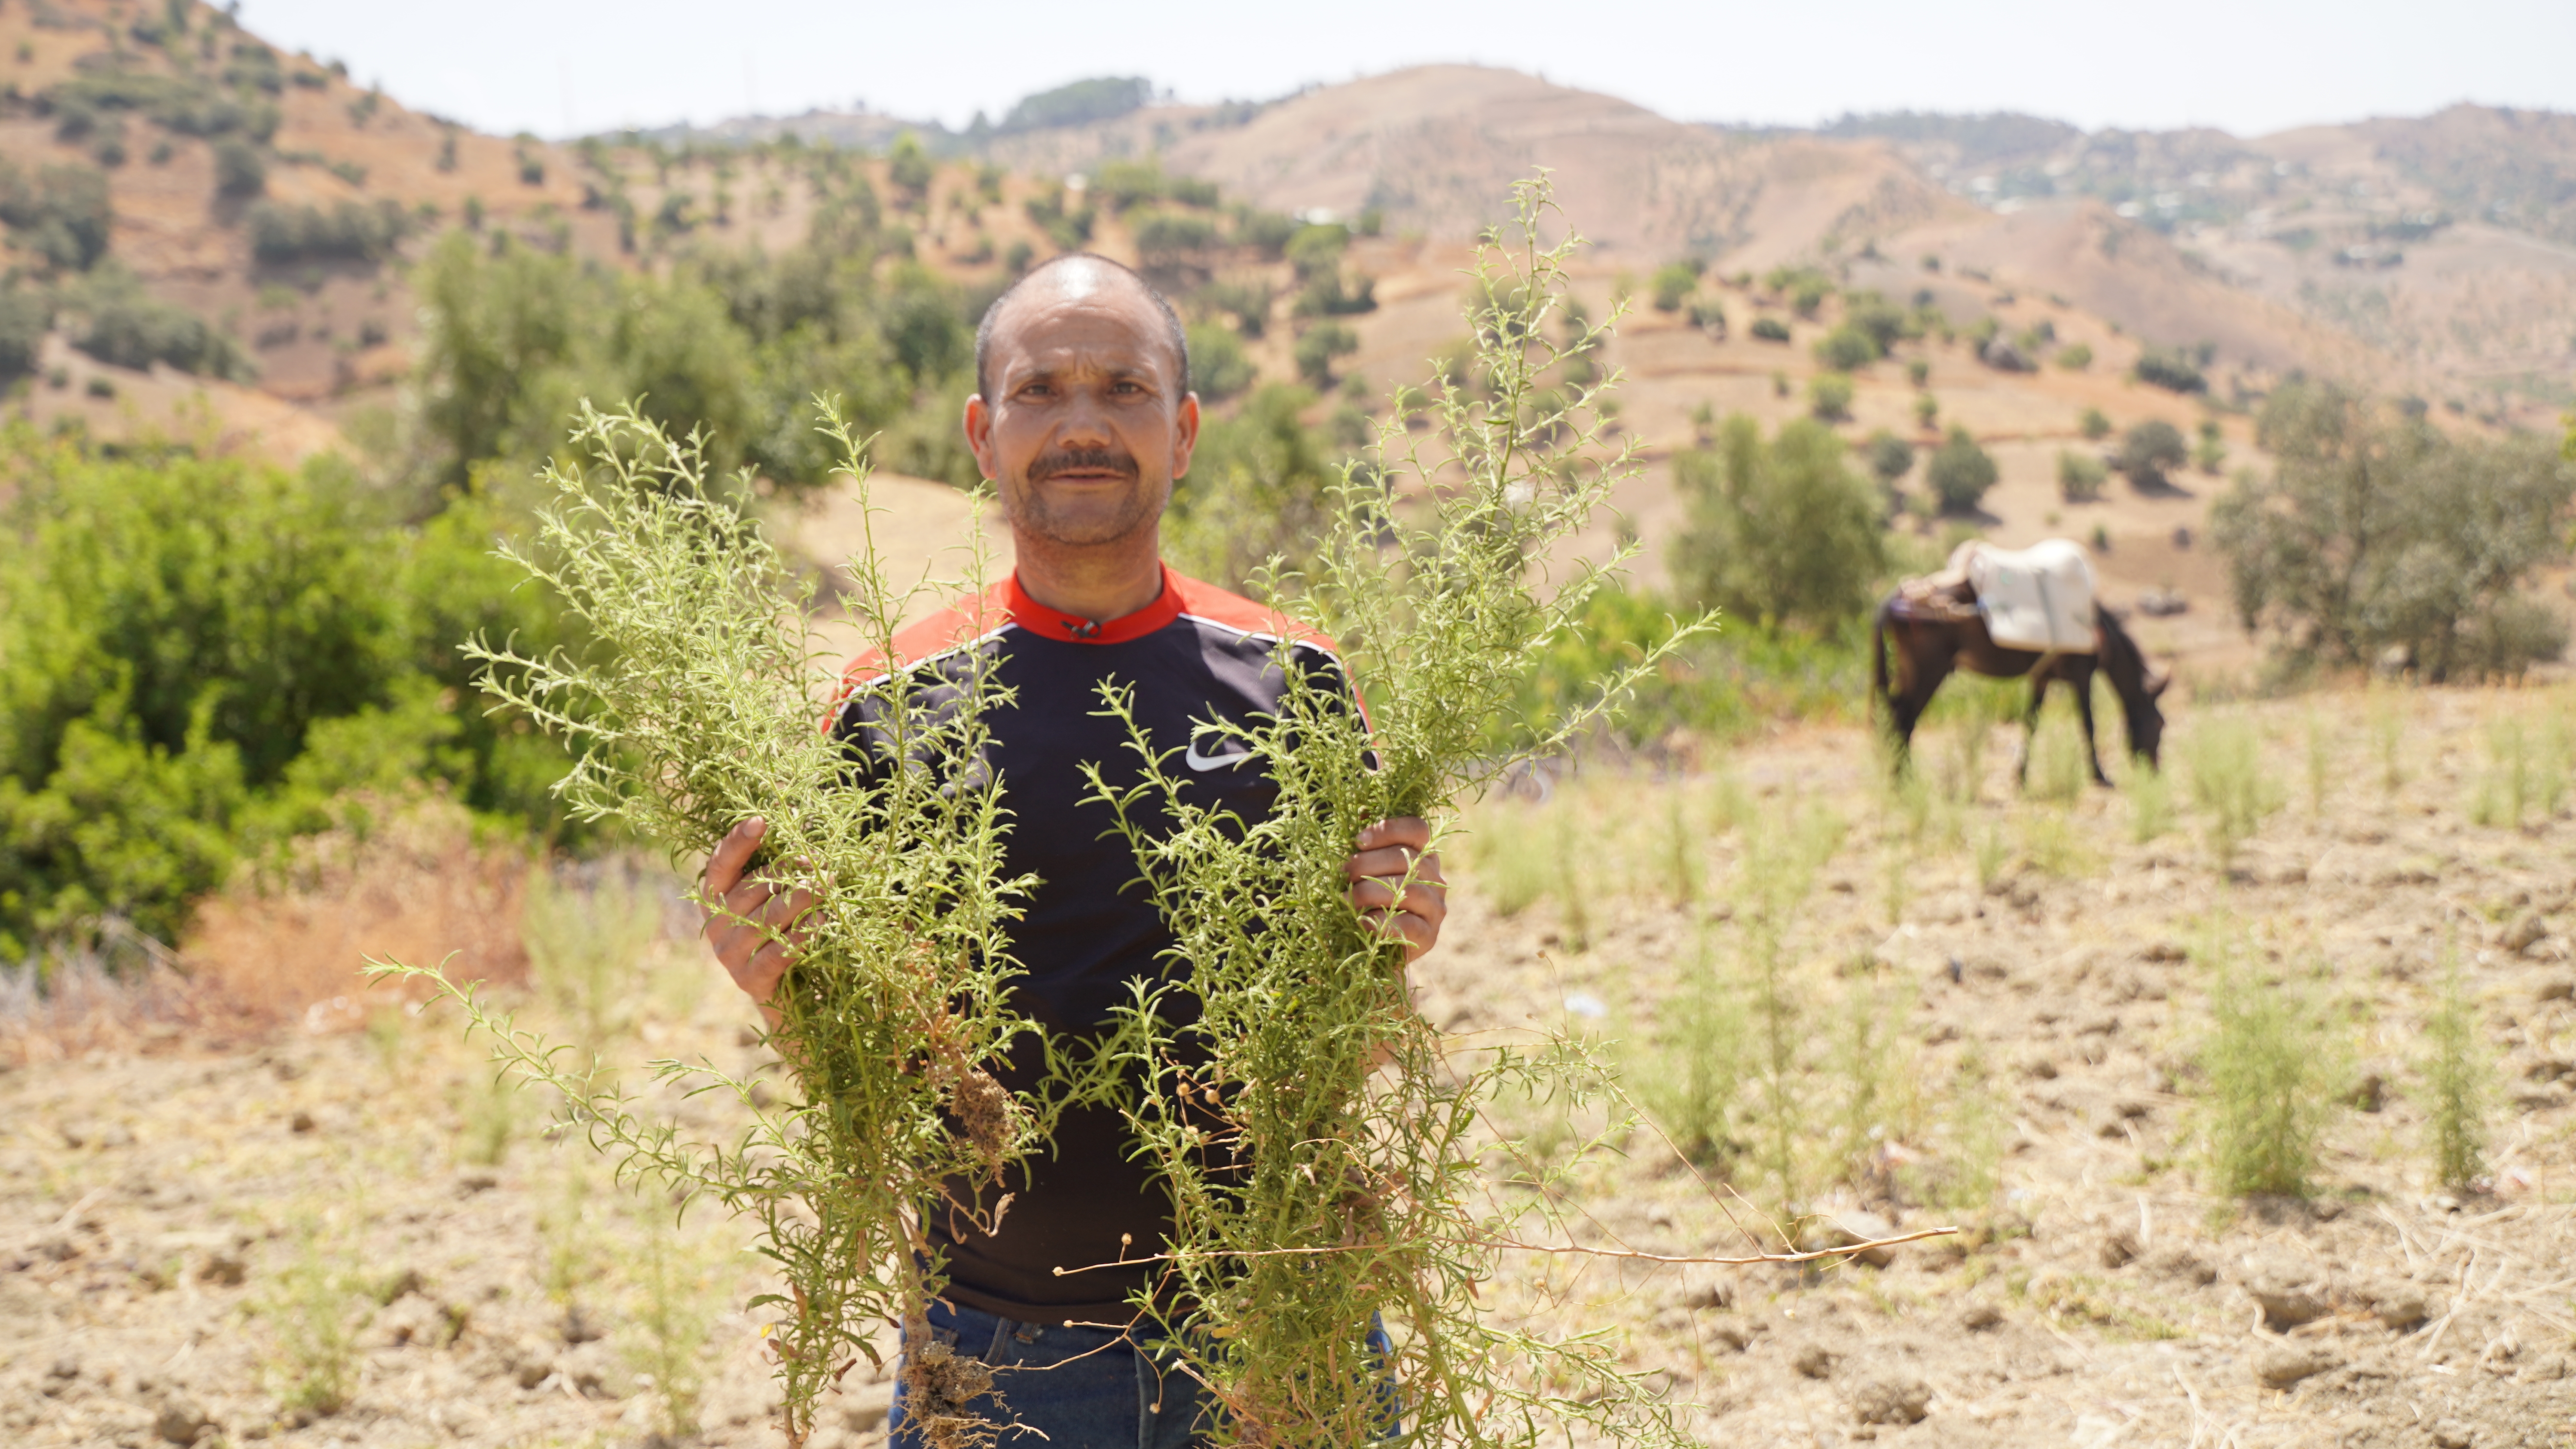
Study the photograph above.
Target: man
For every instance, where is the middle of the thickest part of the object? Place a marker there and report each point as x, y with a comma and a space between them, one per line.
1084, 418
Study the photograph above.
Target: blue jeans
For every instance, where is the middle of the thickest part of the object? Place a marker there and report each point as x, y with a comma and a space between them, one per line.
1084, 1388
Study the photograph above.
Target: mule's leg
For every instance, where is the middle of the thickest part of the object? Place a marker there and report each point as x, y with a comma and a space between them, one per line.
2039, 681
1905, 707
2081, 681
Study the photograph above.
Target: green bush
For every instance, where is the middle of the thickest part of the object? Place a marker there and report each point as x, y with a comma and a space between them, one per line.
240, 169
1770, 329
2209, 455
1257, 487
2093, 425
1317, 250
1781, 531
1219, 367
2172, 371
2459, 1084
1881, 321
1890, 457
1673, 284
1959, 473
117, 322
2380, 538
2273, 1062
62, 216
2075, 358
1100, 98
2080, 477
1165, 236
909, 168
25, 314
2149, 452
1319, 348
1846, 349
738, 342
1829, 396
201, 654
347, 231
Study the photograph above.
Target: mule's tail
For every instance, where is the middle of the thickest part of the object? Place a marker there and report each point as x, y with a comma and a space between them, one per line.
1878, 661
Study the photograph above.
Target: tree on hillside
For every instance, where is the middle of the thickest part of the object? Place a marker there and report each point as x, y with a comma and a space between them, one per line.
1781, 531
1960, 472
2150, 452
1100, 98
2379, 539
1673, 284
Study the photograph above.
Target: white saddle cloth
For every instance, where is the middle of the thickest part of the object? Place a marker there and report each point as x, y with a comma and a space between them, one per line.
2040, 597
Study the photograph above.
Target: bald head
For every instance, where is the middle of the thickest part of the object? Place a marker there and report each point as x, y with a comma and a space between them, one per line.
1071, 277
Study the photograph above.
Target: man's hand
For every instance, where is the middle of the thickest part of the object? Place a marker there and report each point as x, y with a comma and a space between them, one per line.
751, 921
1386, 852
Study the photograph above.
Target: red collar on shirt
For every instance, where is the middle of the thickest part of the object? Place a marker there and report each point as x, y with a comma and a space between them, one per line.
1049, 623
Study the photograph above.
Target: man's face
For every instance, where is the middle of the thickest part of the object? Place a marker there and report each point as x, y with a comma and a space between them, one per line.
1087, 426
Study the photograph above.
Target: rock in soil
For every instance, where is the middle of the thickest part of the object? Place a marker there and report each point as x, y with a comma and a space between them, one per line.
2452, 1434
1899, 1400
2290, 1291
180, 1422
2281, 1365
1815, 1361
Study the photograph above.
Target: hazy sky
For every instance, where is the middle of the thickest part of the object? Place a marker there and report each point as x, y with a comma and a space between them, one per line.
561, 67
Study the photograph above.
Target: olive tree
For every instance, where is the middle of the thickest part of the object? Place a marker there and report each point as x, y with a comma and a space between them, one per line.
2378, 539
1781, 531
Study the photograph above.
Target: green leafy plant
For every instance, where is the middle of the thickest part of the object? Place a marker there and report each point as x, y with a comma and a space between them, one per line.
693, 711
2458, 1083
2272, 1061
317, 1308
1347, 1192
1960, 472
2224, 755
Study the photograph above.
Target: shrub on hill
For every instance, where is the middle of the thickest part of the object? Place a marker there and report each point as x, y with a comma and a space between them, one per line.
1069, 230
2079, 477
1846, 349
1165, 237
2378, 539
1267, 232
240, 170
1258, 486
1781, 531
347, 231
1959, 473
1319, 349
2149, 453
1120, 184
2172, 371
1890, 457
2094, 425
25, 314
736, 341
1219, 367
1770, 329
62, 215
113, 319
1673, 284
1101, 98
1829, 396
1882, 321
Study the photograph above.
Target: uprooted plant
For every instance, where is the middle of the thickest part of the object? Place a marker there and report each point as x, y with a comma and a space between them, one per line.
1320, 1145
694, 710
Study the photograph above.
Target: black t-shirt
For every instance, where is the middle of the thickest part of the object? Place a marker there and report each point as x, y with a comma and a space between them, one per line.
1197, 653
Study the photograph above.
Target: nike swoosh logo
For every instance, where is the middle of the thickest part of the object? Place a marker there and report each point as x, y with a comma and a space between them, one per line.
1204, 763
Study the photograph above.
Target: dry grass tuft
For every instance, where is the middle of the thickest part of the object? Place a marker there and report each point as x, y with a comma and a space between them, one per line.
413, 882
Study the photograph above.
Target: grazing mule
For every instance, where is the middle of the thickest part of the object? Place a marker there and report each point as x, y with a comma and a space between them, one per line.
1935, 637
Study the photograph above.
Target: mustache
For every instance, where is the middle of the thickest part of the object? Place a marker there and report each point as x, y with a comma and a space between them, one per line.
1065, 460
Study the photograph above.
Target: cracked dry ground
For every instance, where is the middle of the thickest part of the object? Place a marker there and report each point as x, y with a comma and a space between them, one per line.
170, 1207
